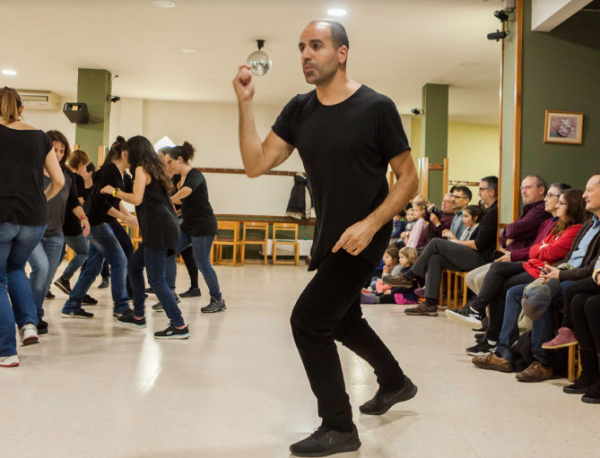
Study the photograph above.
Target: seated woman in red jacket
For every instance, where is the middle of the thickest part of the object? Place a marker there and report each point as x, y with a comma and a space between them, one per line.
504, 275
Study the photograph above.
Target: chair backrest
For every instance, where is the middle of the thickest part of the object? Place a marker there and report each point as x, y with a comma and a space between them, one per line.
285, 227
256, 226
229, 226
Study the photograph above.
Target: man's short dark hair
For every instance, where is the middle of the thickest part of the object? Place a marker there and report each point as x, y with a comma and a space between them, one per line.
339, 36
540, 182
465, 191
492, 183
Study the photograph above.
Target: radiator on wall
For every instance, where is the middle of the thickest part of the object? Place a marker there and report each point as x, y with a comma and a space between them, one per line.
288, 250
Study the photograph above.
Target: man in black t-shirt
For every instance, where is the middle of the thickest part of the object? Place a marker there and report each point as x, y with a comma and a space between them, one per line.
346, 134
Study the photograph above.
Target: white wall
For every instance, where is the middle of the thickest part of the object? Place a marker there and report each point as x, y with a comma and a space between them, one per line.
51, 120
547, 14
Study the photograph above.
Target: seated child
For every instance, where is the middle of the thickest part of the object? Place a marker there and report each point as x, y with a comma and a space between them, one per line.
390, 265
419, 210
406, 258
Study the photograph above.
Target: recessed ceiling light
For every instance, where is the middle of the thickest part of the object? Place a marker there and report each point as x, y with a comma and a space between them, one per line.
9, 72
190, 50
163, 4
336, 12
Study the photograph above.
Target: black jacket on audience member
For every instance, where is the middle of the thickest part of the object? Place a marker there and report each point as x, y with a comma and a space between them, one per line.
97, 205
487, 234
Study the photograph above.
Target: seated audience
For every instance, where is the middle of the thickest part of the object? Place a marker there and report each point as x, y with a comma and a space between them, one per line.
390, 265
411, 221
504, 275
401, 295
440, 220
399, 227
522, 233
578, 264
418, 234
454, 254
461, 198
471, 217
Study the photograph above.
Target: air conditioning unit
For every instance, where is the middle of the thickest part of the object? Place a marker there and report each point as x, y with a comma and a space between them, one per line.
40, 100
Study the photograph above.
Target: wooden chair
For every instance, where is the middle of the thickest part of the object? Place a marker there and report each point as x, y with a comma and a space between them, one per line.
136, 239
235, 242
286, 227
263, 241
453, 289
574, 363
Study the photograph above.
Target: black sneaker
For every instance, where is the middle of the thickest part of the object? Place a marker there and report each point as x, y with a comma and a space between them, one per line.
471, 317
148, 291
64, 285
325, 442
592, 395
214, 306
481, 349
479, 335
78, 314
581, 385
158, 307
87, 300
105, 283
192, 292
49, 295
42, 327
381, 403
173, 333
128, 319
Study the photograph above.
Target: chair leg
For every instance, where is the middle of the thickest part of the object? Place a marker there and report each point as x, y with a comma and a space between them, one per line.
464, 290
572, 363
297, 255
441, 299
274, 256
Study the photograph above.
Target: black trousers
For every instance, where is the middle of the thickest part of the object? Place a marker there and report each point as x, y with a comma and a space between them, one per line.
501, 277
190, 265
329, 310
585, 313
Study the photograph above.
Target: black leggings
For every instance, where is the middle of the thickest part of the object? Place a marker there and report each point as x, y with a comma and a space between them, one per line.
190, 265
500, 278
585, 313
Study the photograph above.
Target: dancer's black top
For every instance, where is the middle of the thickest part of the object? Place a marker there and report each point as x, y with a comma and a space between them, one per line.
23, 155
157, 219
61, 206
345, 149
197, 213
72, 225
97, 204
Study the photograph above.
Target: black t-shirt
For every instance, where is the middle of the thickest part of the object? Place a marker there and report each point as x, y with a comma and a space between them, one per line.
72, 225
487, 232
22, 158
345, 149
79, 184
97, 204
197, 213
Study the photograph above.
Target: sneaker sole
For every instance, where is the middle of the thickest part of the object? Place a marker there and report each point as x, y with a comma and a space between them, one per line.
177, 337
214, 311
421, 314
590, 400
186, 296
341, 449
66, 315
472, 353
465, 321
492, 368
10, 365
31, 341
62, 288
42, 332
400, 397
568, 390
555, 347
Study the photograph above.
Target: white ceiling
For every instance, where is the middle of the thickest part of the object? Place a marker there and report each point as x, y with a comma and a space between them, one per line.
396, 46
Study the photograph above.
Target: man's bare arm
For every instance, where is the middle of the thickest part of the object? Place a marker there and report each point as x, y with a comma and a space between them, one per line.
357, 237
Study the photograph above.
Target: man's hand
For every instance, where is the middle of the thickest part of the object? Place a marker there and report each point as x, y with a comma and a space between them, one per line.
356, 238
553, 272
434, 219
131, 221
85, 225
505, 258
243, 84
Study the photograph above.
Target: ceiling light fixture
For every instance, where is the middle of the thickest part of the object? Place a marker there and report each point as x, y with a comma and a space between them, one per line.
163, 4
190, 50
336, 12
259, 61
9, 72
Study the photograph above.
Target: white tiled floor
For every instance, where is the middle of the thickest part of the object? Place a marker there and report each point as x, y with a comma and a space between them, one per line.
237, 388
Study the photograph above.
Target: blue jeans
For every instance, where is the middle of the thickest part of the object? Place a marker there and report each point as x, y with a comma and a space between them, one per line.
16, 244
103, 245
201, 247
155, 261
44, 260
541, 331
79, 244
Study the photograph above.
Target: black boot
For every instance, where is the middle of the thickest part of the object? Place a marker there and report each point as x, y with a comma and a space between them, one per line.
592, 395
589, 374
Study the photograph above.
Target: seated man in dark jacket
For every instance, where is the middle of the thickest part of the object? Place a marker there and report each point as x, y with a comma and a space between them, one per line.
455, 255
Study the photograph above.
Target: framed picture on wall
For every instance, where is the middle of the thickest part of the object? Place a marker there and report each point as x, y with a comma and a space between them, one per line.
563, 127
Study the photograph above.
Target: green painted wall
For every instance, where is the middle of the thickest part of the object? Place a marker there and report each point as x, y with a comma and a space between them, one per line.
560, 72
93, 88
434, 134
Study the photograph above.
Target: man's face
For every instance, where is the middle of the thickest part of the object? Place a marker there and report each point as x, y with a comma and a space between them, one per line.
530, 191
459, 201
592, 195
320, 60
485, 193
447, 203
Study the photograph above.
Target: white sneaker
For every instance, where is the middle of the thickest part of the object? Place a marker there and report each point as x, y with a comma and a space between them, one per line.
9, 361
29, 335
